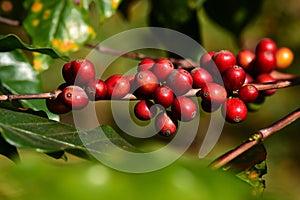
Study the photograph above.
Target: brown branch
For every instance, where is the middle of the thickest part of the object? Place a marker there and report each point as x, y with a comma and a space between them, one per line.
278, 84
184, 63
47, 95
10, 22
130, 96
256, 138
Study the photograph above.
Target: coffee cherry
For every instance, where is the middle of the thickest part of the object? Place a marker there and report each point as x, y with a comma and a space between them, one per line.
200, 77
75, 97
146, 64
162, 69
164, 96
184, 109
284, 57
234, 77
234, 110
83, 70
244, 58
67, 73
96, 90
165, 124
117, 86
213, 93
266, 78
248, 93
180, 81
146, 82
224, 59
209, 107
248, 79
206, 60
143, 110
265, 62
57, 105
266, 44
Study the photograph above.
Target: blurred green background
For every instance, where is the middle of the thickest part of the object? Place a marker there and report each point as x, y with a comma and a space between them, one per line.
41, 177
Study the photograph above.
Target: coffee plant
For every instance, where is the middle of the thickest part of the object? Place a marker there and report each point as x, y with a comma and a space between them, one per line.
159, 88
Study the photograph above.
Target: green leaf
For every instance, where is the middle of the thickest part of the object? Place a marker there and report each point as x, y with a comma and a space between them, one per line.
233, 15
18, 77
29, 131
179, 15
11, 42
60, 24
8, 150
106, 8
250, 167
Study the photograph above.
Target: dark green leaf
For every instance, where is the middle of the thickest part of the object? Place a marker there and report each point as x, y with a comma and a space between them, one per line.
12, 42
233, 15
60, 24
29, 131
250, 167
8, 150
179, 15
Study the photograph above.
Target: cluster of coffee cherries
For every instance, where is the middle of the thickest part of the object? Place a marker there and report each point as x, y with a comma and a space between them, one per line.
164, 91
237, 95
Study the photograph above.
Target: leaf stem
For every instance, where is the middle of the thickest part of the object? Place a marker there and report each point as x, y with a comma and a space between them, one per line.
256, 138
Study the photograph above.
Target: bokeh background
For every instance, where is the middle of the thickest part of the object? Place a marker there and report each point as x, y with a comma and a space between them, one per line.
40, 176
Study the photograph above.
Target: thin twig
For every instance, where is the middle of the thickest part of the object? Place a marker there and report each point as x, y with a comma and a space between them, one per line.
130, 96
10, 22
47, 95
256, 138
184, 63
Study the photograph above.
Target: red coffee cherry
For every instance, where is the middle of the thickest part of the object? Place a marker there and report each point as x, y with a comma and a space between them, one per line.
96, 90
244, 58
184, 109
248, 79
266, 78
213, 93
83, 70
75, 97
266, 44
162, 69
248, 93
165, 124
164, 96
234, 110
200, 77
146, 64
234, 77
209, 107
143, 110
180, 81
67, 73
224, 59
206, 59
117, 86
57, 105
146, 82
265, 62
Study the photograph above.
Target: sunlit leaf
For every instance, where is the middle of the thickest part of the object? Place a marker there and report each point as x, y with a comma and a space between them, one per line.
60, 24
